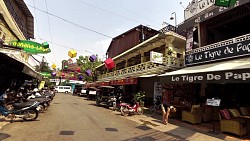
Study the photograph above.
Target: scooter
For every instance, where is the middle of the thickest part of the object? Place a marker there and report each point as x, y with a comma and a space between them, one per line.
26, 111
127, 109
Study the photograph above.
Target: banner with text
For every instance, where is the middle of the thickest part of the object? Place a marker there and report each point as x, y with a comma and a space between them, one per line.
229, 76
239, 46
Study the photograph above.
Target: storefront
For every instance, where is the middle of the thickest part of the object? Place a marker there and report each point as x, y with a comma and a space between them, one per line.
14, 71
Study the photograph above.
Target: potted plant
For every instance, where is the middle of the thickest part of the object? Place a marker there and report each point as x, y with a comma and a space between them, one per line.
140, 97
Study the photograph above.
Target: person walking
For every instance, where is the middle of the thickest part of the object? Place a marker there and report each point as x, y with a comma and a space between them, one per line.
165, 113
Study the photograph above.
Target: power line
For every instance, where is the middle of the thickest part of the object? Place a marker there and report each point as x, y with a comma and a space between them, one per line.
71, 22
50, 30
130, 19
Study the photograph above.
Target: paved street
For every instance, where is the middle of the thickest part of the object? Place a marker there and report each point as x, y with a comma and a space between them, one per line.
72, 118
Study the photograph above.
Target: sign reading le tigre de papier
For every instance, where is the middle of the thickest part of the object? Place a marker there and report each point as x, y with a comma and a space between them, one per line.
213, 77
231, 48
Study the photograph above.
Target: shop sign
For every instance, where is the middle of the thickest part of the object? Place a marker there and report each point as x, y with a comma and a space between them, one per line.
126, 81
156, 57
231, 48
230, 76
225, 3
213, 102
207, 15
196, 7
31, 47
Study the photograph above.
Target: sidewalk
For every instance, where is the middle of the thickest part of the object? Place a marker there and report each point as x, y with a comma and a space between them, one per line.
177, 128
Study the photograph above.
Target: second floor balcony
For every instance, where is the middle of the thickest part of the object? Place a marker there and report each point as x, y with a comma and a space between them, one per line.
146, 68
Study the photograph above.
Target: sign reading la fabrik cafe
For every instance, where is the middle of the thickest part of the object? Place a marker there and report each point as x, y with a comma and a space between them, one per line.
235, 47
31, 46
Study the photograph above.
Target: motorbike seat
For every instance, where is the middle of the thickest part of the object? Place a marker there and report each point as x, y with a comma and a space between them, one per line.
22, 105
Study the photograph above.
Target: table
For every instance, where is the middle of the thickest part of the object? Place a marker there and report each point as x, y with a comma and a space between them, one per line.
247, 118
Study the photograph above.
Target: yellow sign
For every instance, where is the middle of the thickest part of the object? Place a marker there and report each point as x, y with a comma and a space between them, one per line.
41, 85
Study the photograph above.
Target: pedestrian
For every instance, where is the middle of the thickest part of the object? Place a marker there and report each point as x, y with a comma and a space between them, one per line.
165, 113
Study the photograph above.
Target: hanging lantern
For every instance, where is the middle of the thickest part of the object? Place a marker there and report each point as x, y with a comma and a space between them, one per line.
53, 66
78, 69
72, 53
92, 58
88, 72
65, 67
53, 74
72, 75
109, 63
63, 74
80, 77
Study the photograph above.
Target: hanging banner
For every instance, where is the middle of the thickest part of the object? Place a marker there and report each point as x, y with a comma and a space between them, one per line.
31, 46
157, 90
190, 40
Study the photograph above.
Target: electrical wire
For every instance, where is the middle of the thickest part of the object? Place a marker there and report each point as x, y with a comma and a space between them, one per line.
130, 19
50, 30
75, 24
130, 11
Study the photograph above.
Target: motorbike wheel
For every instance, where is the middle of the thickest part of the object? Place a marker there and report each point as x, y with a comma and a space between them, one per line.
30, 114
123, 111
97, 103
41, 108
140, 110
153, 110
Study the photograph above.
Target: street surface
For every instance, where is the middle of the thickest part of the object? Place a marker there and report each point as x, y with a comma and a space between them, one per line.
73, 118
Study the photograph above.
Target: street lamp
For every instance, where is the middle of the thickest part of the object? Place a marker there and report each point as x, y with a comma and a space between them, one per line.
174, 18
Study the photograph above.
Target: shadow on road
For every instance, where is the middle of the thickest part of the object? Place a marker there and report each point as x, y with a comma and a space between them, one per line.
4, 136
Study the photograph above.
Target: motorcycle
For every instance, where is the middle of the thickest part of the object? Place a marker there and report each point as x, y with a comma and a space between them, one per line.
26, 111
128, 109
112, 102
116, 104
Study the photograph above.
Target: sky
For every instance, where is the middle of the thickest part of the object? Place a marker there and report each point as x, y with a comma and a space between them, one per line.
87, 26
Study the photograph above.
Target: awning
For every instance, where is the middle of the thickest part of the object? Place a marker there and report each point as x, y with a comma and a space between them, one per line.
230, 71
27, 69
148, 75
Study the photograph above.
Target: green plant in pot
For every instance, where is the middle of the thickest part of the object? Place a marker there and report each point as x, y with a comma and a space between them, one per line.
140, 97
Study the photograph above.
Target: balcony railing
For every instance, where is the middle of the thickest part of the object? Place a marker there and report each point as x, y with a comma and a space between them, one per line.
144, 69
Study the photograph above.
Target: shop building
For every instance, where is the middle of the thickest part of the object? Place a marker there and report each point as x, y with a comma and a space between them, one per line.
217, 61
140, 54
17, 23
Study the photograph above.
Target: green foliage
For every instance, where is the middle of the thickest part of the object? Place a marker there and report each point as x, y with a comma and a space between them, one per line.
140, 97
85, 64
43, 67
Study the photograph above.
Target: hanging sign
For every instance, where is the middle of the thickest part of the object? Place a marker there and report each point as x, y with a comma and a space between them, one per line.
156, 57
225, 3
31, 46
213, 102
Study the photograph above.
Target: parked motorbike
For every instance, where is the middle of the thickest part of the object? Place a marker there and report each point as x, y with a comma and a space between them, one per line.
112, 102
116, 104
26, 111
128, 109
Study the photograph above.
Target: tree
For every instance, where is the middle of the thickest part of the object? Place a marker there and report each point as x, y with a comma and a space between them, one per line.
86, 64
43, 67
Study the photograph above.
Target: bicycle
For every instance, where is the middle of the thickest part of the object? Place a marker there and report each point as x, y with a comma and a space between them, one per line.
157, 106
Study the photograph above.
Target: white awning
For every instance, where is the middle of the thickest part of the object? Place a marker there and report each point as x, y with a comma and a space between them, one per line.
242, 63
148, 75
